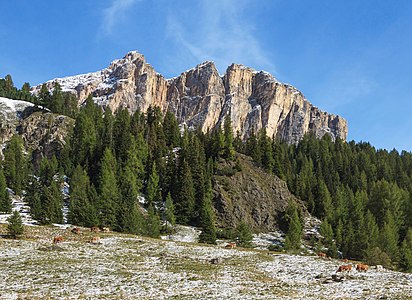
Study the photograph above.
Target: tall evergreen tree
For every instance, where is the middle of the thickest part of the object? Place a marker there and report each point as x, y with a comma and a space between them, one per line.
15, 226
5, 201
15, 166
109, 192
244, 235
152, 223
295, 228
81, 211
207, 216
153, 192
185, 198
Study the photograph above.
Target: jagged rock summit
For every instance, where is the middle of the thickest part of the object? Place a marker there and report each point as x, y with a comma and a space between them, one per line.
200, 97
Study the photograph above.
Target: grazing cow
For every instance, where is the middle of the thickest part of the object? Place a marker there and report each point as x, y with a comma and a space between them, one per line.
321, 254
362, 267
76, 230
345, 260
344, 268
57, 239
95, 240
230, 245
105, 229
95, 229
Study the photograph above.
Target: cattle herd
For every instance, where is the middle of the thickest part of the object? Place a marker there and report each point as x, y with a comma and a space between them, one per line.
96, 240
76, 230
348, 267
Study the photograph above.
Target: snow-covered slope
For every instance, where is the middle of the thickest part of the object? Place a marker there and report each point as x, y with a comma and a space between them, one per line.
12, 110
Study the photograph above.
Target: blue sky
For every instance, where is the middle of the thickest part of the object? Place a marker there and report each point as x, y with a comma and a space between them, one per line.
351, 58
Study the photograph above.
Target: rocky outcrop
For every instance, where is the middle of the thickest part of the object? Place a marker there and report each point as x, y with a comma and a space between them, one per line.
11, 114
246, 193
200, 97
43, 133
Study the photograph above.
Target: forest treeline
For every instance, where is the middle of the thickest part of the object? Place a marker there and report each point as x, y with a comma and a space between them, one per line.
361, 194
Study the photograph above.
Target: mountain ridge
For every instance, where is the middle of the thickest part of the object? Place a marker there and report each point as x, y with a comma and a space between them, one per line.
201, 97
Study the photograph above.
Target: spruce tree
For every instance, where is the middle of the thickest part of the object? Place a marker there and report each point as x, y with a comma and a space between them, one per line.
14, 164
109, 192
51, 203
185, 198
244, 235
295, 228
207, 217
171, 130
15, 226
81, 211
389, 237
152, 223
5, 201
406, 252
153, 193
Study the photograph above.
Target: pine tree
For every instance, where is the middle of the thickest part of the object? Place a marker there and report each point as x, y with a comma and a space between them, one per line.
327, 232
389, 237
265, 146
5, 201
207, 217
14, 164
323, 201
153, 193
185, 198
152, 223
44, 96
81, 211
406, 252
171, 130
244, 235
109, 193
15, 226
51, 203
295, 228
56, 99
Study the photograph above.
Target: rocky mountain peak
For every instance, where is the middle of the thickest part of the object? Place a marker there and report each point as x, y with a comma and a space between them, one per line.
201, 97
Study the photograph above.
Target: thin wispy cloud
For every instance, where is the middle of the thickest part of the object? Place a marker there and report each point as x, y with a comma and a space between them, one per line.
114, 14
218, 32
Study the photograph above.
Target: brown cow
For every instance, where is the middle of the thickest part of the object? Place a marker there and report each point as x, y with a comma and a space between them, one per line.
95, 229
95, 240
344, 268
76, 230
362, 267
57, 239
231, 245
321, 254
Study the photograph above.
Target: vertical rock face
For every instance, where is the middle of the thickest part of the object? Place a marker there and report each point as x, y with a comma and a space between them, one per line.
202, 98
197, 96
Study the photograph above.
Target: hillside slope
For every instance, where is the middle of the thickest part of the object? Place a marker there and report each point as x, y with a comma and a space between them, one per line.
132, 267
251, 195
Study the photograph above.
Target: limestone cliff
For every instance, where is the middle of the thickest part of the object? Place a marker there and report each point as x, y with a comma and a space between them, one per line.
43, 132
200, 97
